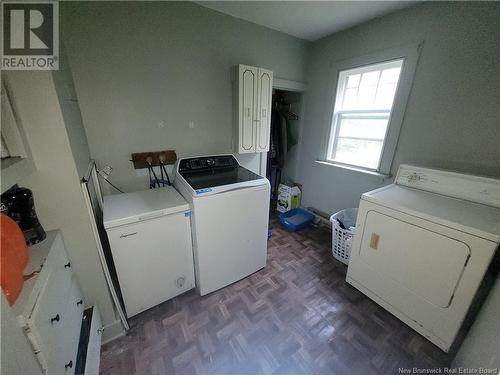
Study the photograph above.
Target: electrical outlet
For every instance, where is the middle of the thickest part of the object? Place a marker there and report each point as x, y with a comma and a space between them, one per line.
106, 171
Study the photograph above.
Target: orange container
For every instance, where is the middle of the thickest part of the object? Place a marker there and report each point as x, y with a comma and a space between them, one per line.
13, 258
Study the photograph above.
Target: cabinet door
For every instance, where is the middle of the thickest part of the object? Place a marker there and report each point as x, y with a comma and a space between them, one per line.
94, 344
47, 322
153, 259
421, 261
89, 344
247, 108
265, 89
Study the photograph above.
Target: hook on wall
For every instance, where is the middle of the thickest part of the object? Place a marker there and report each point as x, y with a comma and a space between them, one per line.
155, 158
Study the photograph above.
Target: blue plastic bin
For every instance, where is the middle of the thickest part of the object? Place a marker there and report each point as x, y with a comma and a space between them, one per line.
296, 219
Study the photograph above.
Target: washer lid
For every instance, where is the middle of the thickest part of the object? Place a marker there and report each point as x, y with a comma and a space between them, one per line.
474, 218
210, 175
219, 177
121, 209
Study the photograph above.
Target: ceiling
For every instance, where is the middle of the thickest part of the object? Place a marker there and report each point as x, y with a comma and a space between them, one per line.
309, 20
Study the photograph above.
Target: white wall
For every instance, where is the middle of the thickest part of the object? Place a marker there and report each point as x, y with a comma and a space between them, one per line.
56, 184
481, 347
70, 109
451, 119
176, 68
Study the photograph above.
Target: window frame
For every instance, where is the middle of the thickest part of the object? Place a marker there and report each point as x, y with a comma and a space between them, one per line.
409, 54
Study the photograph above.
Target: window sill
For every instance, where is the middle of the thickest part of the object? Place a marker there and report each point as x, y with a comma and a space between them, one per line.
355, 169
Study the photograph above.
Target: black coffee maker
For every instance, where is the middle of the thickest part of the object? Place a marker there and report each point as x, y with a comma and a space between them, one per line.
18, 203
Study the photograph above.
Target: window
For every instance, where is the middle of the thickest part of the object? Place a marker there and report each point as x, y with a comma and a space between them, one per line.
363, 105
367, 105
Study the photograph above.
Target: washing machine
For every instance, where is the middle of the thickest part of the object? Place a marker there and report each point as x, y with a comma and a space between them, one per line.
422, 246
230, 218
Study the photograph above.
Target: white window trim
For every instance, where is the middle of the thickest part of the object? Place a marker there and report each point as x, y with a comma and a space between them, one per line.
410, 55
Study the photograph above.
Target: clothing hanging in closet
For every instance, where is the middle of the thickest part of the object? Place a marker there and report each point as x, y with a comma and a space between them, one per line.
278, 138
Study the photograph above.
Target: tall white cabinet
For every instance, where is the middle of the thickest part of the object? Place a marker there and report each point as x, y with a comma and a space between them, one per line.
64, 336
253, 94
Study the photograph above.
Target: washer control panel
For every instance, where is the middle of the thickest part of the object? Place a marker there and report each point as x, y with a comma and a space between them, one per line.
207, 162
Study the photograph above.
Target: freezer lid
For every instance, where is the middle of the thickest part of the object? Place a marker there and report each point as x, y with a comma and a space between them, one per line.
121, 209
469, 217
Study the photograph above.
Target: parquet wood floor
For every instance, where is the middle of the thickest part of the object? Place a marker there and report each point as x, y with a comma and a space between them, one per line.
295, 316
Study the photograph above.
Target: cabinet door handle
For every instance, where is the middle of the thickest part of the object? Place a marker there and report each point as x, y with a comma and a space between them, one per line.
248, 111
67, 265
80, 302
128, 235
264, 112
54, 319
68, 365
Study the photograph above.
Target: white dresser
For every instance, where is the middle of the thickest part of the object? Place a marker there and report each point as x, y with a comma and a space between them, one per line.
51, 310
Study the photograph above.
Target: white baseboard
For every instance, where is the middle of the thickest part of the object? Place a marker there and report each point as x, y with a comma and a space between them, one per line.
321, 217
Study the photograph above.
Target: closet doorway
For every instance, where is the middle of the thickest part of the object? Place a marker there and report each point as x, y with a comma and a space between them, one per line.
282, 159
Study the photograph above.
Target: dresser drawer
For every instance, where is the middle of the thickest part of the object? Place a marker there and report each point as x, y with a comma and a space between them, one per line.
57, 260
51, 303
47, 326
45, 258
68, 343
56, 330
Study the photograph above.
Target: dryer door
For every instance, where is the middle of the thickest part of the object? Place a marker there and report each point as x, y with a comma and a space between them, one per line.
425, 262
424, 273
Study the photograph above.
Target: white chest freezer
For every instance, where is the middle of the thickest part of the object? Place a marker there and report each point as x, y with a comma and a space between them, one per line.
150, 237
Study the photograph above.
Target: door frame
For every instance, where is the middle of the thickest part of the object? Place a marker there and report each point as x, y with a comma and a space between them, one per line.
286, 85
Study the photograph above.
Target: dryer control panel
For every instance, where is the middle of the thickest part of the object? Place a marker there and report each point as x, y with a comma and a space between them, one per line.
477, 189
